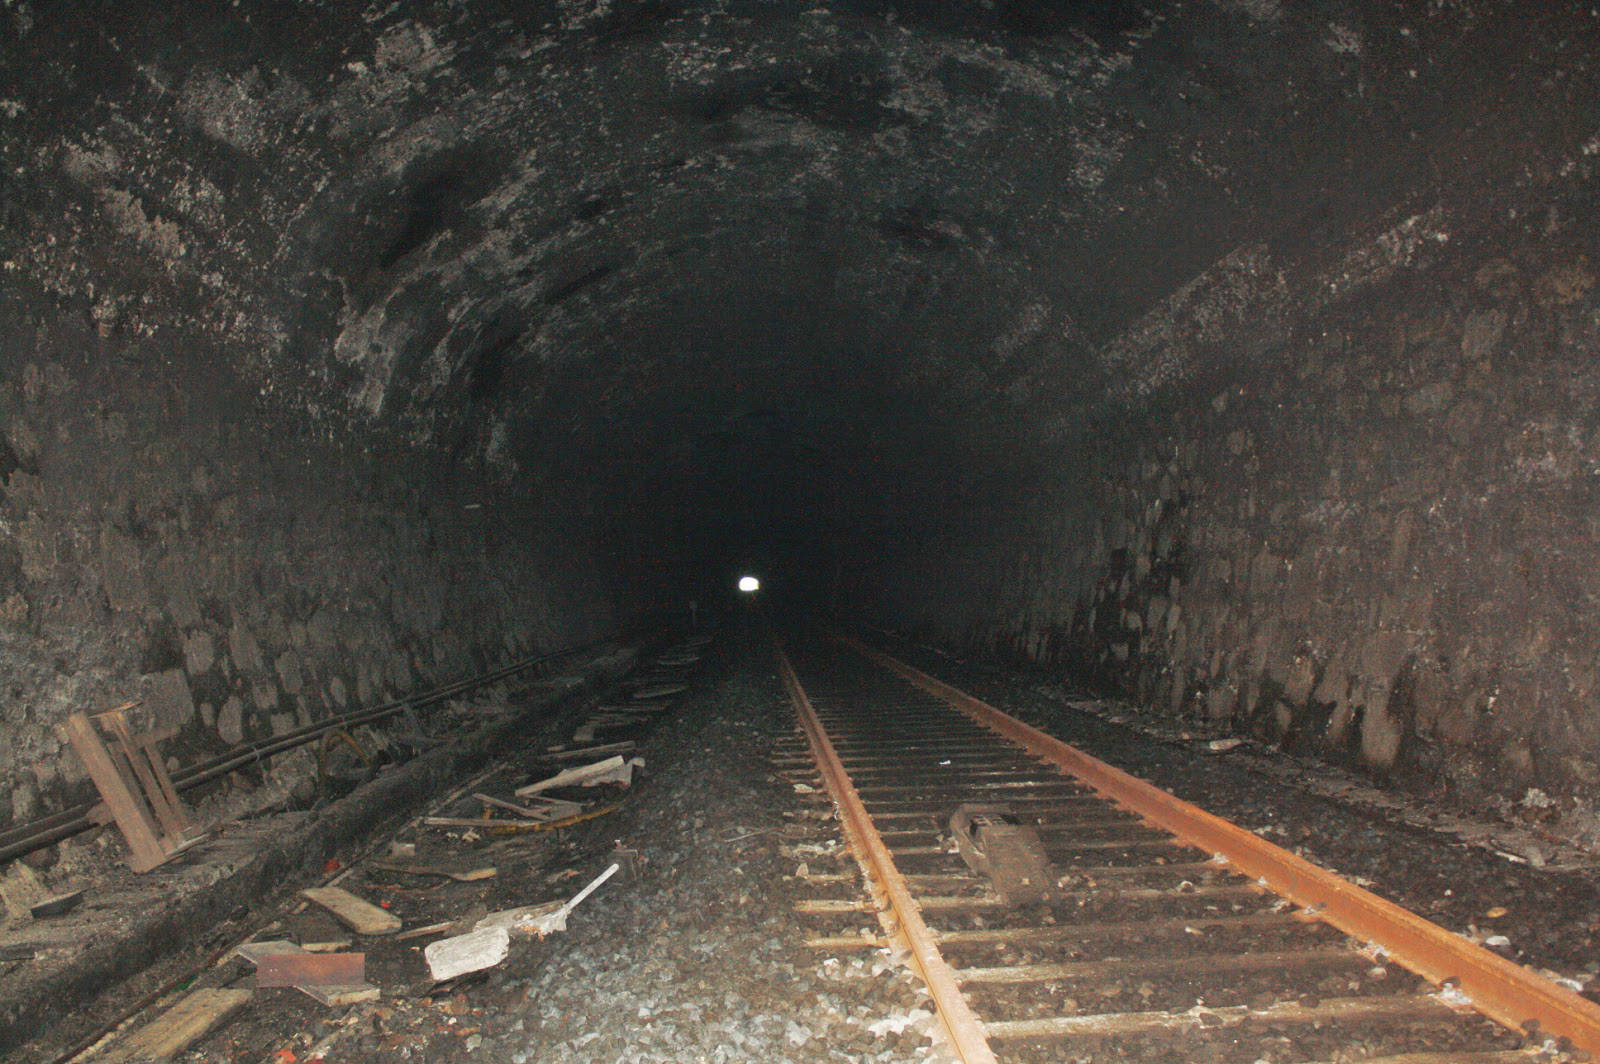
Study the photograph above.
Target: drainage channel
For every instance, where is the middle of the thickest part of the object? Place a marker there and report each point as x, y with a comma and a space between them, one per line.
1058, 909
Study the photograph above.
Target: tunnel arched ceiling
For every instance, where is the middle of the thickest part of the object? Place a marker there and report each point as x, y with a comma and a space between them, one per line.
868, 244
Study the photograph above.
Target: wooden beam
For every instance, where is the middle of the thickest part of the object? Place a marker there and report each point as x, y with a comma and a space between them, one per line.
362, 917
181, 1026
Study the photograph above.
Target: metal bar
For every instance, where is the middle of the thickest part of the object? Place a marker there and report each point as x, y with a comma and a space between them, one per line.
1499, 988
963, 1027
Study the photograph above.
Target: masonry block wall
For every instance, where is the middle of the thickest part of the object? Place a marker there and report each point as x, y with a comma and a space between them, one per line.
1378, 545
166, 538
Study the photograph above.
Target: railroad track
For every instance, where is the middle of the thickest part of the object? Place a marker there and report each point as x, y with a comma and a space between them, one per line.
1156, 931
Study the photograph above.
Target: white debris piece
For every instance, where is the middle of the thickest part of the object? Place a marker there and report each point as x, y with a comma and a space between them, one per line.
895, 1024
622, 774
581, 773
543, 919
472, 952
521, 920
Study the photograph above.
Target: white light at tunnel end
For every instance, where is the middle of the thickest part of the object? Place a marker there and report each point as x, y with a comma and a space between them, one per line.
749, 585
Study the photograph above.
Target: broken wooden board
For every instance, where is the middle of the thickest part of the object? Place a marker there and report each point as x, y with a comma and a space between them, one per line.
311, 969
180, 1026
571, 776
362, 917
481, 948
424, 932
413, 868
547, 809
524, 919
342, 995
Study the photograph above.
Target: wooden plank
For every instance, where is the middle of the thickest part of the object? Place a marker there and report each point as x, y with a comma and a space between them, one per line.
424, 932
362, 917
146, 850
414, 868
549, 808
311, 969
254, 952
144, 760
182, 1025
570, 776
341, 995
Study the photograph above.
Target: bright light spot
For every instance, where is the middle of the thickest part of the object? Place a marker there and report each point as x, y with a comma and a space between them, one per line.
749, 584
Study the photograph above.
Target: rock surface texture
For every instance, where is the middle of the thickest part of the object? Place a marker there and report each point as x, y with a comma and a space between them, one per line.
1235, 354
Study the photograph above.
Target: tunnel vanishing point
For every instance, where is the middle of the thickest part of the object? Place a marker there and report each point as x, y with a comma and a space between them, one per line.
1238, 357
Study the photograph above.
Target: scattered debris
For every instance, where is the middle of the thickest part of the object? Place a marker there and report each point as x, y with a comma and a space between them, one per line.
483, 947
547, 809
362, 917
180, 1026
402, 850
557, 921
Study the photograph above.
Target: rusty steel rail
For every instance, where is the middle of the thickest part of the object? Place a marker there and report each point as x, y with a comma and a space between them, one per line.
1504, 991
963, 1028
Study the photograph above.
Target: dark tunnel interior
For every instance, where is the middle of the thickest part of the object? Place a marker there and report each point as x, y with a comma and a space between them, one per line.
1234, 356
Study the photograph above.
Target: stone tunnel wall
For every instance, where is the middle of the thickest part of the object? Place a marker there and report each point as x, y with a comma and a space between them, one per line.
1378, 545
167, 536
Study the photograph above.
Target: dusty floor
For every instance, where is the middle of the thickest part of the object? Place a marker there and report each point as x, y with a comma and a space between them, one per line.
700, 955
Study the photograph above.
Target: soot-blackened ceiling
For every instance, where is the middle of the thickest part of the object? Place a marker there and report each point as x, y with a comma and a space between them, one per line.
735, 249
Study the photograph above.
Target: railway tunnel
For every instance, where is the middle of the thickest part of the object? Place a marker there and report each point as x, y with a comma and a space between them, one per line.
1229, 359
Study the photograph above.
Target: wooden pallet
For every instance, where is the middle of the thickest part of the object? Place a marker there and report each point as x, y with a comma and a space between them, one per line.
132, 778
